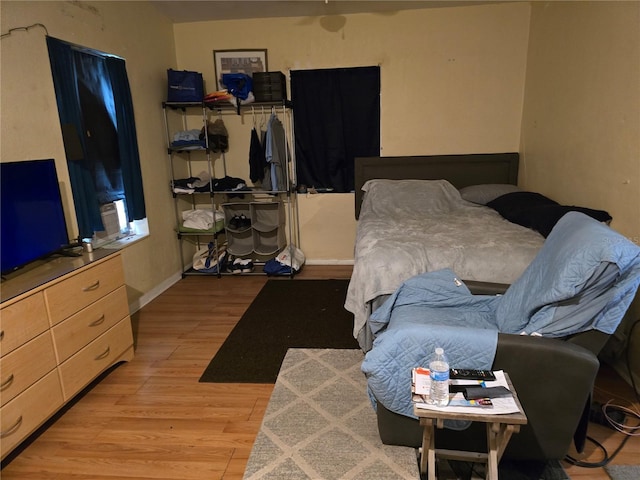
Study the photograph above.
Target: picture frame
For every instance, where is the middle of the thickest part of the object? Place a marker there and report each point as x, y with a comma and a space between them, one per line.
239, 61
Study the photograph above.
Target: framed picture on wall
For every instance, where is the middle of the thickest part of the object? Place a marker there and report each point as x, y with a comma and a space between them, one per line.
239, 61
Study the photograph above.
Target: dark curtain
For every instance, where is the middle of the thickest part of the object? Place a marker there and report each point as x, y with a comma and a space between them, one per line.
337, 118
101, 153
93, 97
127, 139
83, 188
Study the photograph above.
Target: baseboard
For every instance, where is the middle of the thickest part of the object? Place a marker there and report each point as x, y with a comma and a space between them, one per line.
328, 262
153, 293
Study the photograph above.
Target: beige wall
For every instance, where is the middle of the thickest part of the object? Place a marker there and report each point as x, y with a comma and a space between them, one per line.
452, 82
29, 123
581, 123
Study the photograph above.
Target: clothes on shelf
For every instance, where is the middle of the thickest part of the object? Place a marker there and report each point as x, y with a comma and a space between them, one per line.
201, 219
218, 136
204, 183
187, 139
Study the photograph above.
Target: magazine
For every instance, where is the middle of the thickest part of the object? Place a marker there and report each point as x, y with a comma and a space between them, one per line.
420, 383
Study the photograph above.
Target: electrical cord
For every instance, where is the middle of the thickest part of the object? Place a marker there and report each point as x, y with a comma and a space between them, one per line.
25, 29
628, 430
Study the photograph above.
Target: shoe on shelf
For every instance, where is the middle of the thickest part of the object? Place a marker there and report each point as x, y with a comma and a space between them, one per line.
247, 266
244, 222
236, 267
235, 222
228, 267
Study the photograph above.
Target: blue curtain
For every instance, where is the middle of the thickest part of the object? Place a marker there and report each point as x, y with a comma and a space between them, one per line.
83, 188
127, 139
81, 160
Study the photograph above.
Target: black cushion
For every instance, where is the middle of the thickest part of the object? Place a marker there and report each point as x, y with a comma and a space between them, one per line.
534, 210
511, 205
543, 218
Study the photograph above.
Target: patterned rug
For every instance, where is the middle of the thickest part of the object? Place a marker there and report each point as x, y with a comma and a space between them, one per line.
623, 472
319, 424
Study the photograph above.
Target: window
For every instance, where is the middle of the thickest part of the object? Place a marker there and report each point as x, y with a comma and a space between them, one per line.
98, 127
337, 118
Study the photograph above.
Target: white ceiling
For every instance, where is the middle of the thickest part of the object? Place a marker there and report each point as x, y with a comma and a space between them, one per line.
194, 11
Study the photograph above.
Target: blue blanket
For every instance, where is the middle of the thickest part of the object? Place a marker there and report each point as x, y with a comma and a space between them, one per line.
584, 278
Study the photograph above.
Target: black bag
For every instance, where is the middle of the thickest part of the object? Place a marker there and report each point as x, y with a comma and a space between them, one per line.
184, 86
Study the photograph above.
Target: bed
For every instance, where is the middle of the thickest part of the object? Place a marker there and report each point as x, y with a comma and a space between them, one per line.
546, 330
412, 219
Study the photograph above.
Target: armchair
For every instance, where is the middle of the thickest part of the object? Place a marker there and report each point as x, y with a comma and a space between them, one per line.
571, 298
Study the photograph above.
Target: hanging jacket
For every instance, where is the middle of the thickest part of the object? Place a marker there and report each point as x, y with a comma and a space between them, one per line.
257, 161
275, 178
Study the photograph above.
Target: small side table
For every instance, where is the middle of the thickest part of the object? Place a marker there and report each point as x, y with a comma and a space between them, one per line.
499, 431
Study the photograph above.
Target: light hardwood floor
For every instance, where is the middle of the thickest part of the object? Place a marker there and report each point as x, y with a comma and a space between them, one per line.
151, 419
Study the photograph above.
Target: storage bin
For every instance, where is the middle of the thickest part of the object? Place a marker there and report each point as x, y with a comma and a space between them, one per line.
267, 216
240, 243
232, 210
269, 86
268, 243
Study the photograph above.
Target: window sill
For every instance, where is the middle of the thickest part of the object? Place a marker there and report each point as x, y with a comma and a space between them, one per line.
120, 243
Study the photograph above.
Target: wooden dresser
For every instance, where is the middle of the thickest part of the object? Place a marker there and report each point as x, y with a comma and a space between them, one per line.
65, 322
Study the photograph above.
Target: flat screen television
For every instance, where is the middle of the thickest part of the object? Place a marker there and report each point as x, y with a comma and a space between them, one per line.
32, 219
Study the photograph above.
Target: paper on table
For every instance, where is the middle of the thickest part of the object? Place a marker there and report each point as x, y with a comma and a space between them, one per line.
501, 406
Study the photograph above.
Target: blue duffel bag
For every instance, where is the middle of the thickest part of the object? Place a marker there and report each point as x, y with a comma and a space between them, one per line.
184, 86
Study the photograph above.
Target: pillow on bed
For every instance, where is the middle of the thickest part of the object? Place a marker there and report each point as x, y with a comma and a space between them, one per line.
483, 194
409, 197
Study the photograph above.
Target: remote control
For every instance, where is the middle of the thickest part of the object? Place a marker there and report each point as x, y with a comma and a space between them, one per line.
472, 393
460, 374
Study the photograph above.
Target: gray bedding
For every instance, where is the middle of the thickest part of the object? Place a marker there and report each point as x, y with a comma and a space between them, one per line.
408, 227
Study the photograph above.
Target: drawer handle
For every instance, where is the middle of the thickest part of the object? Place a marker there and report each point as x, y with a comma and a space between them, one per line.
104, 354
13, 429
1, 334
6, 383
91, 287
97, 322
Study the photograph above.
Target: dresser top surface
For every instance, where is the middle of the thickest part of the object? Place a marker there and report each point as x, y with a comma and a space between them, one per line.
44, 271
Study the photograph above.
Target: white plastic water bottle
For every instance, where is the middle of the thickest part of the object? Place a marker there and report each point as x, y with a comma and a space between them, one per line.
439, 373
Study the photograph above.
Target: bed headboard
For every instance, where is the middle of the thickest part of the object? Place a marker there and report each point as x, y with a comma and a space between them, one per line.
461, 170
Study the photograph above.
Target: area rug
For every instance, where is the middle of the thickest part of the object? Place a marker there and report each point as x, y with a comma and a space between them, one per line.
319, 424
285, 314
623, 472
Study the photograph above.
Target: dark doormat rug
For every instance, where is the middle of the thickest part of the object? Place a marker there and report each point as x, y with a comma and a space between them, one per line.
507, 469
285, 314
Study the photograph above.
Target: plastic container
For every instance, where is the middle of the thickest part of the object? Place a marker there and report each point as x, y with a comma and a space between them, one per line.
439, 373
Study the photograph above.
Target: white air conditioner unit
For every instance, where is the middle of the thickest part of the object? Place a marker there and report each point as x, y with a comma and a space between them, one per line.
114, 220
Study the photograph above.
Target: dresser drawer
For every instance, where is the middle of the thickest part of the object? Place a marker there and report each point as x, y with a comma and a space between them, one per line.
89, 323
76, 292
22, 415
26, 365
100, 354
21, 321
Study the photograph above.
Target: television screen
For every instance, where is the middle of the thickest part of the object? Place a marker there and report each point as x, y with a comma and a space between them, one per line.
32, 220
